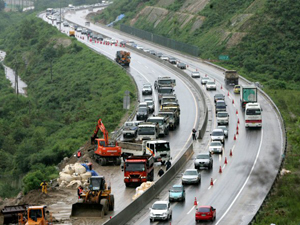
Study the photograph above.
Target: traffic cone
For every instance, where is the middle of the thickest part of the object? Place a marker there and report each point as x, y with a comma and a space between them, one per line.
234, 137
195, 202
237, 127
110, 217
211, 182
237, 132
116, 44
230, 154
236, 112
225, 161
220, 170
124, 46
228, 93
221, 86
232, 101
238, 120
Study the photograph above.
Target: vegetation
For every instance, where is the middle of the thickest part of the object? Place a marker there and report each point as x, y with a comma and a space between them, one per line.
266, 49
61, 110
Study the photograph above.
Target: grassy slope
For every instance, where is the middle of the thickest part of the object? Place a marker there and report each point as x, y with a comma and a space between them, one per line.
58, 116
269, 53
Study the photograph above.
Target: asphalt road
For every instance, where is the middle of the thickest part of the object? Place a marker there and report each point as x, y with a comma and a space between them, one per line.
239, 190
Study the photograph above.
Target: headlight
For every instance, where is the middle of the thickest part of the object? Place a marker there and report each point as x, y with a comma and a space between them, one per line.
165, 214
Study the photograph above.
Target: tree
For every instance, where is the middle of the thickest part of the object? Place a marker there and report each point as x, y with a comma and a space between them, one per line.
2, 5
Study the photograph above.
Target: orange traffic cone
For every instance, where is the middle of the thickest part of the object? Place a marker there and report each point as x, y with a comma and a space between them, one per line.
232, 101
228, 93
225, 161
236, 112
211, 182
237, 127
230, 154
220, 170
221, 86
195, 202
234, 137
237, 132
238, 120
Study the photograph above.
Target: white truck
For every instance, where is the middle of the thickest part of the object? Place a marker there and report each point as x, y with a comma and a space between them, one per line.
163, 123
147, 131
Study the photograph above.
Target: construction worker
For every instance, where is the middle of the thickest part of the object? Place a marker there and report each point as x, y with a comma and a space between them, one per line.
78, 154
168, 164
44, 187
194, 133
79, 191
160, 172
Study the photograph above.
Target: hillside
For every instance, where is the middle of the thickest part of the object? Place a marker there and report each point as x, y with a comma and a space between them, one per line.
63, 104
261, 38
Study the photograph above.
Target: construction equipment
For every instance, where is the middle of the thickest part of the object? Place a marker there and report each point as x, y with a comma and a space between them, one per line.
138, 169
123, 58
105, 152
72, 33
27, 215
96, 201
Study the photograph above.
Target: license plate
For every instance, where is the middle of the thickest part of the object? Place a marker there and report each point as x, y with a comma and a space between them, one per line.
135, 180
203, 215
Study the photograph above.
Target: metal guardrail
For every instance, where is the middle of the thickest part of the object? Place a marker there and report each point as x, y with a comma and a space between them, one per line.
283, 147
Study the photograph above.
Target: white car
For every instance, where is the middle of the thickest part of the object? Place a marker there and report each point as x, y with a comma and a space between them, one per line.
113, 41
218, 135
191, 176
160, 210
79, 29
216, 147
195, 74
139, 47
204, 80
164, 57
147, 89
147, 50
211, 85
222, 117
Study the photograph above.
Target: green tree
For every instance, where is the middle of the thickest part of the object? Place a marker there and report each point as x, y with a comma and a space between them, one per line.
2, 5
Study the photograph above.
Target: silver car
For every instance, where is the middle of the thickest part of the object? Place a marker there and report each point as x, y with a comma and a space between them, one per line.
203, 160
222, 117
216, 147
195, 74
191, 176
160, 210
217, 135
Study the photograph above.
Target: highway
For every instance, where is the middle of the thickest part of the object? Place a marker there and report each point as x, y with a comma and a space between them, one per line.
238, 191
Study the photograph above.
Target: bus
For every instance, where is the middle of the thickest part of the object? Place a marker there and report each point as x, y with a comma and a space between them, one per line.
253, 117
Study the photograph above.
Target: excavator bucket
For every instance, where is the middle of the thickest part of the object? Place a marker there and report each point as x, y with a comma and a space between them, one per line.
87, 210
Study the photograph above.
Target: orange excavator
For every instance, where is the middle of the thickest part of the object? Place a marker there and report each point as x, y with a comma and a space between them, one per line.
105, 152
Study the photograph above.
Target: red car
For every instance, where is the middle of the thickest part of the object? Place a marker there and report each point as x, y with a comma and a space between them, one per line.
205, 213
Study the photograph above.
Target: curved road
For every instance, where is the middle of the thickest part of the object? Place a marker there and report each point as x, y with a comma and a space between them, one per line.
239, 190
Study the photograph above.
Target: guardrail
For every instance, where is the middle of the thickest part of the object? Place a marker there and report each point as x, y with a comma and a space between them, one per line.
283, 147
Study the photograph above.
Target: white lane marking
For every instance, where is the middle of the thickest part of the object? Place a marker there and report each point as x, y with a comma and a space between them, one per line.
239, 193
192, 209
223, 166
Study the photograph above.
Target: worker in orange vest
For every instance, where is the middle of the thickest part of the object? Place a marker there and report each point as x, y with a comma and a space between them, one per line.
78, 155
79, 191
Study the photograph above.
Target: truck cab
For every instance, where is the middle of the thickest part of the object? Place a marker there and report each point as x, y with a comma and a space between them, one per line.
159, 149
164, 81
231, 77
163, 123
147, 131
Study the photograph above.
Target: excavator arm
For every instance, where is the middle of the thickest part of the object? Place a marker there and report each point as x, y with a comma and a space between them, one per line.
100, 126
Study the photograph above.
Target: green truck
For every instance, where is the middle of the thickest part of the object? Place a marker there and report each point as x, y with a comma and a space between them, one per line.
248, 94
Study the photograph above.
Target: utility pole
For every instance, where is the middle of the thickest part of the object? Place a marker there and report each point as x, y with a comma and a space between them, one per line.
16, 79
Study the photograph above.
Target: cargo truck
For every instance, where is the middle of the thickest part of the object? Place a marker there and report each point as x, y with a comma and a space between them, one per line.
138, 169
248, 94
231, 77
164, 82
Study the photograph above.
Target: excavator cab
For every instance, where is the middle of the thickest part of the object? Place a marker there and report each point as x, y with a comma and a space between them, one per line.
97, 183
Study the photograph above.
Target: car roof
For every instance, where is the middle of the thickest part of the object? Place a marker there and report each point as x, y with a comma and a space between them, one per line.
203, 153
161, 202
177, 185
217, 130
217, 95
191, 170
220, 101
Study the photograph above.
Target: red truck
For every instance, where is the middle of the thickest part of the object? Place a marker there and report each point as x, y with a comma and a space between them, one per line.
205, 213
138, 169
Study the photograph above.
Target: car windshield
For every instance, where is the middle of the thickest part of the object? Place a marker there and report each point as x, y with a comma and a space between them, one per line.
129, 124
222, 114
217, 133
159, 206
176, 189
146, 131
142, 110
221, 104
190, 172
219, 96
165, 81
253, 112
147, 86
153, 120
210, 82
162, 147
164, 90
215, 144
134, 167
202, 156
202, 209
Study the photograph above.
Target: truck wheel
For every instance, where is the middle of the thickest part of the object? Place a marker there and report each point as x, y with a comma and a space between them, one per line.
118, 161
102, 161
104, 204
112, 202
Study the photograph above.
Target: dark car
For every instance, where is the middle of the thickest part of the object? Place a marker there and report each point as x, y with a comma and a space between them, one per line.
181, 66
220, 106
219, 97
123, 42
142, 114
172, 60
100, 37
159, 54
